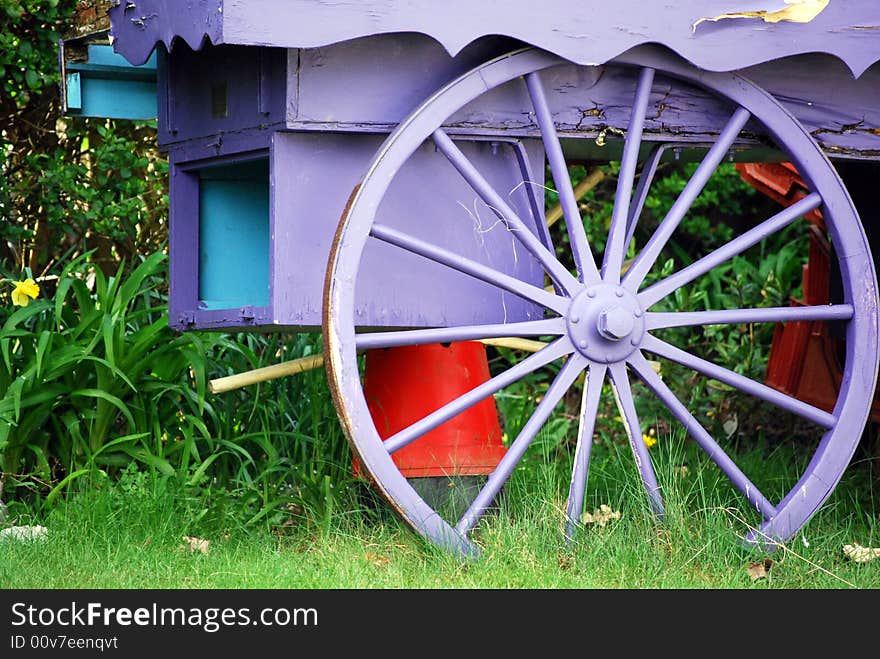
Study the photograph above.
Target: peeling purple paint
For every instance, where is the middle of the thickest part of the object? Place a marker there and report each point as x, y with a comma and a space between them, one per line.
582, 31
136, 26
369, 85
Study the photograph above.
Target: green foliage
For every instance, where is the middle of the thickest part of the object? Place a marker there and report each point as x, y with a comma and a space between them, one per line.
92, 185
103, 187
68, 185
275, 452
766, 275
28, 38
92, 380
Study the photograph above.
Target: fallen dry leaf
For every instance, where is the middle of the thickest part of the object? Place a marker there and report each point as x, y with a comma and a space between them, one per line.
197, 544
760, 569
730, 426
662, 539
296, 509
377, 559
861, 554
601, 516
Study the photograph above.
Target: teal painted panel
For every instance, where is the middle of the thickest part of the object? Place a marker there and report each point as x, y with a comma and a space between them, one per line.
116, 99
106, 85
234, 235
103, 55
74, 92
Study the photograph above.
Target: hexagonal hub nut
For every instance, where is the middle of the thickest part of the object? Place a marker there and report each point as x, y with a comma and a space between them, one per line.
616, 323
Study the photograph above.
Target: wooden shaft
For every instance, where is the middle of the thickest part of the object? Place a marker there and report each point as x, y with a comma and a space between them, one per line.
582, 188
515, 343
239, 380
273, 372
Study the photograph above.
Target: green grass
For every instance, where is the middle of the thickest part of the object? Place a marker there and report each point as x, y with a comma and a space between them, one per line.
129, 534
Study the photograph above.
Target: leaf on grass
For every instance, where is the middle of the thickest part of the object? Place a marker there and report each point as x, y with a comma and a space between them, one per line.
197, 544
859, 554
601, 516
377, 559
295, 512
760, 569
730, 426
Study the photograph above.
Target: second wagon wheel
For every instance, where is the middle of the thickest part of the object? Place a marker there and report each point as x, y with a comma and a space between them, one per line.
606, 318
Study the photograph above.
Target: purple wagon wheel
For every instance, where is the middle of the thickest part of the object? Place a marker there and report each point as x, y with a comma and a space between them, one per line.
600, 317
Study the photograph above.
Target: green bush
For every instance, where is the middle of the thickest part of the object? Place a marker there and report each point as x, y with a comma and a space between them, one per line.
68, 185
275, 451
92, 377
92, 380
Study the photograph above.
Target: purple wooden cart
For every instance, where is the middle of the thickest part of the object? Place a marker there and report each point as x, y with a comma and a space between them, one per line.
428, 128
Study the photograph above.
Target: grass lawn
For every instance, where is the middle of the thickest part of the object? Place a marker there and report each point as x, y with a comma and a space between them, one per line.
131, 535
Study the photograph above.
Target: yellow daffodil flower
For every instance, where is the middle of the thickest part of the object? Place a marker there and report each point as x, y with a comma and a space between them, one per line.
24, 291
649, 441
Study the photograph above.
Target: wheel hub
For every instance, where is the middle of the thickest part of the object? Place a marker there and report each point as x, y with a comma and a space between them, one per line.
605, 323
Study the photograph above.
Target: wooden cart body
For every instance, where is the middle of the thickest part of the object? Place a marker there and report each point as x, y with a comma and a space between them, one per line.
281, 105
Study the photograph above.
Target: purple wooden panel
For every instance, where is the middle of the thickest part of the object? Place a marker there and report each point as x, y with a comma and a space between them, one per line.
375, 82
313, 176
221, 90
372, 84
842, 113
223, 144
583, 31
184, 309
183, 245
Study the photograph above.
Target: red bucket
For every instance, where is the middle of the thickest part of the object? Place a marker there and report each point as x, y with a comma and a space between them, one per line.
404, 384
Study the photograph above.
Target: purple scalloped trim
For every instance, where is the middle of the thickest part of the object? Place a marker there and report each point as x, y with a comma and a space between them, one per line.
583, 31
